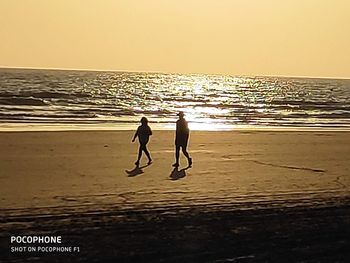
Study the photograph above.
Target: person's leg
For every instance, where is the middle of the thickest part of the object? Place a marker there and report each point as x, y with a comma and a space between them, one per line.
139, 155
144, 148
184, 151
177, 155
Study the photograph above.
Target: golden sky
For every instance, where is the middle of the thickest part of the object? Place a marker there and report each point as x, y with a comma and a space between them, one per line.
236, 37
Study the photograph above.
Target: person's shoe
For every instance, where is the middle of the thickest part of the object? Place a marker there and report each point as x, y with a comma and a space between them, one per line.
137, 163
189, 162
176, 165
149, 162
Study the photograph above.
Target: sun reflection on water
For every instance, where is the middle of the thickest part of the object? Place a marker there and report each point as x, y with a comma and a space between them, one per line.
209, 101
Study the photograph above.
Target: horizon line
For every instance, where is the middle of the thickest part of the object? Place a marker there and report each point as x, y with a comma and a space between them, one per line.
169, 72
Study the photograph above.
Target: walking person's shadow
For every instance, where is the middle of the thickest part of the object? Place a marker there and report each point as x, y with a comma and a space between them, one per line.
177, 174
136, 171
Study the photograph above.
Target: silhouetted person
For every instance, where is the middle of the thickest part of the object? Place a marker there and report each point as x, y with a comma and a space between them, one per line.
181, 139
143, 132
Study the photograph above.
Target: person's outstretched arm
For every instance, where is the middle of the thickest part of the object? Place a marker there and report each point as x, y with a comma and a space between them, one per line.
136, 133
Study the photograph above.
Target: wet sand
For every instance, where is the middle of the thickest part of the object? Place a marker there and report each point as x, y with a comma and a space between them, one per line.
250, 196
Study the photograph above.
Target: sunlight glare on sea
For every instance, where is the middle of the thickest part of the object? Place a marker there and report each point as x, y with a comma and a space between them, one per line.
120, 99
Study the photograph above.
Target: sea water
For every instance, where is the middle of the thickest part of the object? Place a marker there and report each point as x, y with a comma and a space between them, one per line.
67, 98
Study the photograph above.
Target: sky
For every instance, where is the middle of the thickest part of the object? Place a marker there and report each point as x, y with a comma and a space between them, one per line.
233, 37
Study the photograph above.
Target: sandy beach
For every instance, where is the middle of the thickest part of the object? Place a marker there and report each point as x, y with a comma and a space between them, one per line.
250, 195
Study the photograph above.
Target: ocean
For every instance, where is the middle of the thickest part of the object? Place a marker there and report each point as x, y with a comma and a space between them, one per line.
66, 98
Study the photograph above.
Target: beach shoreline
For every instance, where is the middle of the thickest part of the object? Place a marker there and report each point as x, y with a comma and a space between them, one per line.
250, 196
257, 161
45, 127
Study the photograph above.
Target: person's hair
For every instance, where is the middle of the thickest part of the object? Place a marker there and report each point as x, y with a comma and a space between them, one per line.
144, 120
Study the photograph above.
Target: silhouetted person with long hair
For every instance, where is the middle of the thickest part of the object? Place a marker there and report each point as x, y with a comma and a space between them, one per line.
181, 139
143, 132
